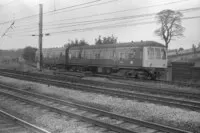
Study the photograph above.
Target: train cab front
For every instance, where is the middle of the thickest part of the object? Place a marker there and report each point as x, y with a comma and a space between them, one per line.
155, 59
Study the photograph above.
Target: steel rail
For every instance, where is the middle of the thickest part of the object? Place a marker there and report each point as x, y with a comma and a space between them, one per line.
80, 117
145, 88
24, 123
90, 109
79, 74
151, 81
139, 88
192, 105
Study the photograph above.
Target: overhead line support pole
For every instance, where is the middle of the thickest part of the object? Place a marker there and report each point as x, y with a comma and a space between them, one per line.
40, 36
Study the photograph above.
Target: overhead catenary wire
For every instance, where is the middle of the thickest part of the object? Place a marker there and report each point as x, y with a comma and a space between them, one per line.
31, 17
35, 15
135, 8
90, 2
120, 11
10, 27
69, 10
123, 23
182, 10
96, 21
108, 26
72, 24
116, 18
189, 9
119, 25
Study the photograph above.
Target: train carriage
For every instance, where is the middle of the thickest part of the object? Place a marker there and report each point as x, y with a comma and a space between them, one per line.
134, 59
53, 57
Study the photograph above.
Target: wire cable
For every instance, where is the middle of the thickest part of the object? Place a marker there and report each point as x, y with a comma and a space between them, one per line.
84, 23
121, 11
95, 21
101, 27
32, 16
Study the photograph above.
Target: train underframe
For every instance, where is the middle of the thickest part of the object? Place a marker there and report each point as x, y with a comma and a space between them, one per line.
137, 72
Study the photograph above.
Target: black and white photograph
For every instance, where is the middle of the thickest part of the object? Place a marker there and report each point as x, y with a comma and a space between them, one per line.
99, 66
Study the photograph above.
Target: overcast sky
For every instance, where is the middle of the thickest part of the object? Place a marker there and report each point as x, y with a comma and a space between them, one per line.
87, 19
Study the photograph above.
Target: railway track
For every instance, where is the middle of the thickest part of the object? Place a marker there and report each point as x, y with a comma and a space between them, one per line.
79, 74
106, 120
169, 101
128, 87
11, 124
184, 84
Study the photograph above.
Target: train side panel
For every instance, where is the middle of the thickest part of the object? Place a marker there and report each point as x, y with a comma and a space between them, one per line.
122, 57
129, 57
92, 57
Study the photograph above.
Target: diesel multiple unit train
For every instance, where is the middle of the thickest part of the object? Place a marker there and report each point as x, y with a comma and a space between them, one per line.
135, 59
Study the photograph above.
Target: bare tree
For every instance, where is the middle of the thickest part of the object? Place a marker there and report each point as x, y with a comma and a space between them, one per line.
194, 48
171, 27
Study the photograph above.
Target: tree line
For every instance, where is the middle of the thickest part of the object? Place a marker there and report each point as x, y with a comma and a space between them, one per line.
98, 41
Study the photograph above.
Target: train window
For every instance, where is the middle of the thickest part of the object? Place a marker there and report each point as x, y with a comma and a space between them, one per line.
126, 55
86, 54
70, 56
130, 55
141, 53
106, 54
122, 56
91, 55
113, 54
97, 55
101, 53
163, 54
150, 53
76, 55
81, 54
157, 53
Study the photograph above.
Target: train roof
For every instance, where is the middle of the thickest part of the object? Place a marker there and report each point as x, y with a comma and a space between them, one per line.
129, 44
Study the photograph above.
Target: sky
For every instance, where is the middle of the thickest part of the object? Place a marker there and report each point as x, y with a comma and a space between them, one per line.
64, 20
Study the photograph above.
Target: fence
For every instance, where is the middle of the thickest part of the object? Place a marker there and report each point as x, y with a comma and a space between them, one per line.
182, 71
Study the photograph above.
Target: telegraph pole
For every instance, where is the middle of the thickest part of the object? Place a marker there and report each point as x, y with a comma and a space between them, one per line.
40, 36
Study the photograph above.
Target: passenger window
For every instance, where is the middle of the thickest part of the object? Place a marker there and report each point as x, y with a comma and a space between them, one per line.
122, 56
150, 53
113, 54
132, 54
97, 56
76, 54
158, 53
